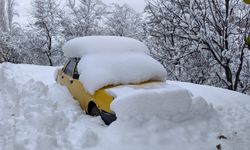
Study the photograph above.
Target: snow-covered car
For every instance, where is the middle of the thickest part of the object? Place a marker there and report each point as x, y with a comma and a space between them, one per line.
101, 68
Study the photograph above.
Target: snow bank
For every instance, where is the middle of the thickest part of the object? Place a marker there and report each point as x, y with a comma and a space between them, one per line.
163, 117
99, 70
79, 47
214, 95
166, 103
24, 72
38, 116
43, 115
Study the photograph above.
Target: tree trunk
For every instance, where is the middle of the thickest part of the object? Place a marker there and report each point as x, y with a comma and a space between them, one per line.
3, 26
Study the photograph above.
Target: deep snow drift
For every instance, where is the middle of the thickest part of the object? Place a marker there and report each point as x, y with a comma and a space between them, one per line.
216, 96
38, 114
164, 101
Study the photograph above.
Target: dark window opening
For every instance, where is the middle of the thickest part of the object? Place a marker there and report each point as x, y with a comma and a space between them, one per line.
71, 68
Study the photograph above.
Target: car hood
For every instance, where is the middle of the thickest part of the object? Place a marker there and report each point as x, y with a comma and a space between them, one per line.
122, 90
156, 100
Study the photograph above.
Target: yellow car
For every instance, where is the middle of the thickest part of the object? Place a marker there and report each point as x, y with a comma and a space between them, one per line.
94, 105
125, 63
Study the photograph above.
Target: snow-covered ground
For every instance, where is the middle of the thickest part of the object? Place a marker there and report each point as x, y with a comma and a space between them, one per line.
37, 113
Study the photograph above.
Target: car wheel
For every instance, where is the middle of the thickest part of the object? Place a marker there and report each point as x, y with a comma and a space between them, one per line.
95, 111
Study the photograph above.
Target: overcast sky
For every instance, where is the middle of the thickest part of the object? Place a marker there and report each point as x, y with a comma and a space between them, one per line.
23, 7
136, 4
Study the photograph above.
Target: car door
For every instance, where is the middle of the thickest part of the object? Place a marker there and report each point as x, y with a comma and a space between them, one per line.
68, 72
75, 87
62, 74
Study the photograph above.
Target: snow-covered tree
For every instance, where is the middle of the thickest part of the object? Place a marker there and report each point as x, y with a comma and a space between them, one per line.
122, 20
46, 23
6, 14
84, 18
7, 50
173, 52
214, 28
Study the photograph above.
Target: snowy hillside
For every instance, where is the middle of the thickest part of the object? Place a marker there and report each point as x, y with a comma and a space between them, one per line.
36, 113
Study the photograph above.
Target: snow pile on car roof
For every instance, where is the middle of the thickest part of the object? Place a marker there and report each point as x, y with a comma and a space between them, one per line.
81, 46
99, 70
164, 101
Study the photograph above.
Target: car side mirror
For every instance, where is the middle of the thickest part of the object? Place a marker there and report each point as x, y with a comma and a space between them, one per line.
76, 76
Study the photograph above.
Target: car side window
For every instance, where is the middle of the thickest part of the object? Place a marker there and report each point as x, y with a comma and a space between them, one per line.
70, 68
76, 74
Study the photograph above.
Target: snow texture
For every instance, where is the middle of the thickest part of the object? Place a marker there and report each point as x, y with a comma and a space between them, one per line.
82, 46
216, 96
36, 113
99, 70
166, 102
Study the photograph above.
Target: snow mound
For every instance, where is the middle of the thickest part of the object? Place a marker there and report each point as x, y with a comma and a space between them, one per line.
167, 103
43, 115
81, 46
169, 118
25, 72
214, 95
39, 116
99, 70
